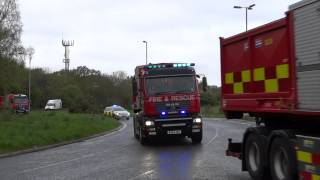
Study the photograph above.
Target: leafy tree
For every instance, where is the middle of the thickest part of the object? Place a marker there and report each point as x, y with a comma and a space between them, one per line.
10, 30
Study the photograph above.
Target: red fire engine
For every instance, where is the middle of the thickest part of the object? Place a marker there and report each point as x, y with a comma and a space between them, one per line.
166, 101
273, 73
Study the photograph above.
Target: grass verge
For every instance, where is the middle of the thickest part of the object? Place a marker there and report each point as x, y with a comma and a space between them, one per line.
19, 131
211, 111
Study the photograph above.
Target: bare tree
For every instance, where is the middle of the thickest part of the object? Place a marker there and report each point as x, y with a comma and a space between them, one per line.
10, 30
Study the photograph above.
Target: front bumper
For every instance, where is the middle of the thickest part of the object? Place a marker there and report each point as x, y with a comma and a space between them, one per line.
173, 127
121, 116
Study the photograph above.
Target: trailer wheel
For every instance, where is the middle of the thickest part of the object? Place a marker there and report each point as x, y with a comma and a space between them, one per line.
254, 157
283, 162
196, 138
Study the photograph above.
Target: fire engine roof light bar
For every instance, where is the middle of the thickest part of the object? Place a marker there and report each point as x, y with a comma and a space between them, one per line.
175, 65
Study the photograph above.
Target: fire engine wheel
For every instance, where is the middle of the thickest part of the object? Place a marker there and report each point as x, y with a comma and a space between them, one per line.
282, 160
142, 139
136, 135
254, 153
196, 138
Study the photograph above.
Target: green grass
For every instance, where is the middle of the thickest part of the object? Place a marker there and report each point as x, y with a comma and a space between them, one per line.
211, 111
19, 131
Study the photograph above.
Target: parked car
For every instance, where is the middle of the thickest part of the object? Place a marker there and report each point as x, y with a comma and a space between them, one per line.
116, 112
53, 104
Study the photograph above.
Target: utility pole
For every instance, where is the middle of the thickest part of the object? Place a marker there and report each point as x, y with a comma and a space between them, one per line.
146, 51
247, 8
30, 52
66, 60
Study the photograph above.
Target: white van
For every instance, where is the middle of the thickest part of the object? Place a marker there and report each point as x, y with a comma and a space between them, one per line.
53, 104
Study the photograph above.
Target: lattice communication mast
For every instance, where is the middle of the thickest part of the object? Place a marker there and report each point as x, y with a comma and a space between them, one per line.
66, 44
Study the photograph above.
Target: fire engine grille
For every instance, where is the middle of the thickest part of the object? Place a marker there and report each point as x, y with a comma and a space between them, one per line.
172, 106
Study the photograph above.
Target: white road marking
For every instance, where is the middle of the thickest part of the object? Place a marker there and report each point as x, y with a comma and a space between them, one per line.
200, 161
75, 159
57, 163
214, 137
124, 125
143, 174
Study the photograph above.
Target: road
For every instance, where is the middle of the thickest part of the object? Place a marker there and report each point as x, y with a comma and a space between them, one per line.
120, 156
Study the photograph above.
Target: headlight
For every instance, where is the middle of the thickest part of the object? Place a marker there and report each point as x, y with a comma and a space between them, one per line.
149, 123
197, 120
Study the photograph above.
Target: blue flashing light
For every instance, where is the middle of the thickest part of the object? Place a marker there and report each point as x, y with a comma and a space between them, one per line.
114, 105
183, 113
163, 113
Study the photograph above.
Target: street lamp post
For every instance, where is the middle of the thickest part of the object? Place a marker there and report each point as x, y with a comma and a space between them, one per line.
146, 51
30, 52
247, 8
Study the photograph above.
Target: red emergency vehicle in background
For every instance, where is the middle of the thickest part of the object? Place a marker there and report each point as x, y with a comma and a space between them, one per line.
18, 102
166, 101
273, 73
1, 101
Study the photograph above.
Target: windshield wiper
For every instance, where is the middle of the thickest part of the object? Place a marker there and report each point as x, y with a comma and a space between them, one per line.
184, 91
168, 92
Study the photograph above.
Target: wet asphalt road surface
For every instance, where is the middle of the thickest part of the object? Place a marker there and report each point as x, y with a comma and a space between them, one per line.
120, 156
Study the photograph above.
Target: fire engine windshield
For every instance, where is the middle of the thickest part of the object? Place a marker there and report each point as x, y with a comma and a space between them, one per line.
163, 85
19, 100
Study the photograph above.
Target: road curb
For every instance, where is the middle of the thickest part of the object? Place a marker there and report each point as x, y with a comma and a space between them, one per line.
35, 149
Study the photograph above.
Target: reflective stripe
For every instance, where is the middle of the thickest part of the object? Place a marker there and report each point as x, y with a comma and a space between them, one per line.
229, 78
271, 85
304, 157
315, 177
238, 88
282, 71
259, 74
245, 75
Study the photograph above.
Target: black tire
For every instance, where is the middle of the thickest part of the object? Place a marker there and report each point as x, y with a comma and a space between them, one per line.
283, 163
196, 138
136, 135
143, 140
233, 115
255, 152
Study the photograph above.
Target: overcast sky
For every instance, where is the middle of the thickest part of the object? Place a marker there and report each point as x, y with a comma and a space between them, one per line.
108, 34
